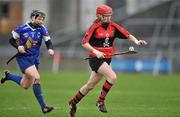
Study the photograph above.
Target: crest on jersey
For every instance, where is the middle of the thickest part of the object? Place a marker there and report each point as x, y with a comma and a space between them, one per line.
106, 41
26, 35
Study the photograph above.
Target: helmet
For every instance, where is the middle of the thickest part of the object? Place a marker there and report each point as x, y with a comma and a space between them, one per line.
103, 9
37, 13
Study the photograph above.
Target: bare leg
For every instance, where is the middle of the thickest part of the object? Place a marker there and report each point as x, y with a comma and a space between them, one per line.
107, 71
93, 80
26, 81
33, 73
110, 75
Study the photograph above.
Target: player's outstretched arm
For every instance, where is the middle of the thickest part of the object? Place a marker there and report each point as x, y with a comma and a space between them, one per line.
136, 41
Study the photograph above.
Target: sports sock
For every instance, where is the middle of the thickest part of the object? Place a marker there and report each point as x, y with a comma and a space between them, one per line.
39, 95
15, 78
106, 87
78, 97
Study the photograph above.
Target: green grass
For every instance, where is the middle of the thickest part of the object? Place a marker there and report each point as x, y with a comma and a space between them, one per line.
134, 95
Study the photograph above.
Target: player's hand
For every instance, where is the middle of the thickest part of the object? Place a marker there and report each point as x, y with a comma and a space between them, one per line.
99, 54
21, 49
141, 42
51, 52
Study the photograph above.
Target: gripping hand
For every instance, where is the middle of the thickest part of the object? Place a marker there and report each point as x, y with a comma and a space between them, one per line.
98, 54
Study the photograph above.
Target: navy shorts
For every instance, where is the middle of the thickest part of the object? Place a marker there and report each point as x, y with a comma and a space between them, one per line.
26, 61
95, 63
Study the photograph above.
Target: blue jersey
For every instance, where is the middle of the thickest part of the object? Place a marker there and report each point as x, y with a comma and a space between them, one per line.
31, 38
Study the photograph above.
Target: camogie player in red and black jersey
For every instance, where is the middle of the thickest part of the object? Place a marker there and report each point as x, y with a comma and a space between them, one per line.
99, 42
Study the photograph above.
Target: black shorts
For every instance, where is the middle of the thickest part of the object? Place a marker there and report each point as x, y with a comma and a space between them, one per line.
95, 63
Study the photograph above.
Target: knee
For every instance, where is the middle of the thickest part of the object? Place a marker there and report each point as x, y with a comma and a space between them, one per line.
37, 76
36, 79
113, 79
25, 86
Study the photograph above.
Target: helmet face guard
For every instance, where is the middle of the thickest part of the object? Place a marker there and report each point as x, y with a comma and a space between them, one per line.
37, 13
104, 10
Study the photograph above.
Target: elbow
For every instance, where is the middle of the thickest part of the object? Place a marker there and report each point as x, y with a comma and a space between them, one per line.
84, 44
129, 36
11, 41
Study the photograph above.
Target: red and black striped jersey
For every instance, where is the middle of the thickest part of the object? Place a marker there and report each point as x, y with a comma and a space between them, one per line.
102, 37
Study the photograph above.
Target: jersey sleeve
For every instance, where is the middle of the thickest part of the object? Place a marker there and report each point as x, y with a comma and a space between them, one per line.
16, 32
89, 33
120, 31
45, 33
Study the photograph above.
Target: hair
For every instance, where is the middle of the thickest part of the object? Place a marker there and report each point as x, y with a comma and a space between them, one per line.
37, 13
97, 20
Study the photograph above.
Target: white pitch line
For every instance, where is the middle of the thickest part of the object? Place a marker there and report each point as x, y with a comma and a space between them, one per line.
22, 108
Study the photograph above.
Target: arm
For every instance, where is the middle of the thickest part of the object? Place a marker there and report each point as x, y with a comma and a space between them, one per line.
49, 47
47, 40
14, 40
122, 33
87, 37
88, 47
138, 42
14, 43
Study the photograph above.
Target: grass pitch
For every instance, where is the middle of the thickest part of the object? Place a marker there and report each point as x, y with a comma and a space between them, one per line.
134, 95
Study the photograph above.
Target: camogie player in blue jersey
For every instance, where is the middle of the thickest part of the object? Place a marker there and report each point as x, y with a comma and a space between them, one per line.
27, 39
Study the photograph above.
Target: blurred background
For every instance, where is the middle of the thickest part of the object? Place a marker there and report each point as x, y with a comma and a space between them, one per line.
156, 21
